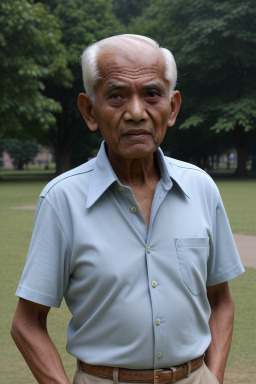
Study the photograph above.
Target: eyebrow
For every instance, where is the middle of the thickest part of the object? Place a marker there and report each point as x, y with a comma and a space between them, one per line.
110, 86
154, 84
118, 86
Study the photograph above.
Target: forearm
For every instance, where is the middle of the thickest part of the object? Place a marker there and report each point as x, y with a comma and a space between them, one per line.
221, 326
30, 334
41, 355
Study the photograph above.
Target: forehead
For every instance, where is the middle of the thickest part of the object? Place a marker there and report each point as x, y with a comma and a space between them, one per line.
138, 65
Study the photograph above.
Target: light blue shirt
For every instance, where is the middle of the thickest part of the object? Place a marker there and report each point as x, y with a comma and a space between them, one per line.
137, 295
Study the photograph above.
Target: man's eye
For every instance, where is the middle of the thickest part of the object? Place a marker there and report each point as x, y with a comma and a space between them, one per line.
153, 94
115, 96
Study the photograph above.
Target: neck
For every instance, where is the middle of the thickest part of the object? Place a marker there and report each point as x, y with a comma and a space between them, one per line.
134, 172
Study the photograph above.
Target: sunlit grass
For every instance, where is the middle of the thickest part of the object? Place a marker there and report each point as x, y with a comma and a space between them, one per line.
239, 198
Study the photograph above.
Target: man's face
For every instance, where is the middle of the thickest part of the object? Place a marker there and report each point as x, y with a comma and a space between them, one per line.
132, 106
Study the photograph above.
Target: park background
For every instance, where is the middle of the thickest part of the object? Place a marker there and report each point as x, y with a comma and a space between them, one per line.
214, 44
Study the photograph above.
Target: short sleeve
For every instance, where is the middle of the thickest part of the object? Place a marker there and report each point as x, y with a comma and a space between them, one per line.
46, 272
224, 262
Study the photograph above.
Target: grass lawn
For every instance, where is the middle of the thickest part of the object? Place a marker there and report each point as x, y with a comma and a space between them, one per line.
239, 200
16, 228
241, 368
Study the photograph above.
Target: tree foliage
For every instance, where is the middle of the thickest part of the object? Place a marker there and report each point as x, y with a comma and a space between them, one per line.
20, 152
82, 23
127, 10
214, 43
30, 52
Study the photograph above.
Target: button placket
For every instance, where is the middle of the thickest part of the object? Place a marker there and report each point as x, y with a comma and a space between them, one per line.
157, 320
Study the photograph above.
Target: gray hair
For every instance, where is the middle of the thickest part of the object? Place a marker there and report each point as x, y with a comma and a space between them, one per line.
128, 42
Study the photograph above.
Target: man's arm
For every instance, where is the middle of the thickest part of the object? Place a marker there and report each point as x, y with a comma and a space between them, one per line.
221, 325
30, 334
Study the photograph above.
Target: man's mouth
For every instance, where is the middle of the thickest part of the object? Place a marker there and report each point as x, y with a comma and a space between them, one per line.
137, 133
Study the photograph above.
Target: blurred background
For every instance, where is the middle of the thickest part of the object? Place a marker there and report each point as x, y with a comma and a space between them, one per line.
214, 43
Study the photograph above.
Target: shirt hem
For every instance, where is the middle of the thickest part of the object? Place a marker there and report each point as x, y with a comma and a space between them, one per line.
229, 275
37, 297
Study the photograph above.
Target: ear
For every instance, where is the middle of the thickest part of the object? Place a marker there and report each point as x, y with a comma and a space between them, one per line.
86, 108
175, 107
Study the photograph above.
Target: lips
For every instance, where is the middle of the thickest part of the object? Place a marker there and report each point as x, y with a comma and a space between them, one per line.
136, 132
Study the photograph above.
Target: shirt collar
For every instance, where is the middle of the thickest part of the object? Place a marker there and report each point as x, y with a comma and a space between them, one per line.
168, 172
103, 175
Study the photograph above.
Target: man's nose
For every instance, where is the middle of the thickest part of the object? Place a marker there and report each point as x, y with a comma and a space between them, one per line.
135, 110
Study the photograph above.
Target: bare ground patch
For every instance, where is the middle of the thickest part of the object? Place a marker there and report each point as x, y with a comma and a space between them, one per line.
25, 208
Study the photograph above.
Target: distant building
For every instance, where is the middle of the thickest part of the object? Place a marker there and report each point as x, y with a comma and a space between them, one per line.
6, 161
43, 157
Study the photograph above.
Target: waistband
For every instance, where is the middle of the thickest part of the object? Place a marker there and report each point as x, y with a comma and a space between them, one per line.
157, 376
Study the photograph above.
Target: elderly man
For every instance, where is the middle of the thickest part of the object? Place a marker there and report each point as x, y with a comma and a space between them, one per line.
138, 244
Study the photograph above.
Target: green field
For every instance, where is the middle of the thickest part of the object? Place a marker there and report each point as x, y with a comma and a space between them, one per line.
16, 227
239, 200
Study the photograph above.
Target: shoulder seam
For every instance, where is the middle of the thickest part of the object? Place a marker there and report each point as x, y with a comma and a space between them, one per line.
195, 168
64, 178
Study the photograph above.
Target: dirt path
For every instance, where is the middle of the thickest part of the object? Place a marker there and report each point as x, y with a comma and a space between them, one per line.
247, 249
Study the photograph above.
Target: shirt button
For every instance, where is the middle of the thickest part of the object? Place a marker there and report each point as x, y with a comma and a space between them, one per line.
154, 284
148, 249
120, 189
159, 355
158, 321
133, 209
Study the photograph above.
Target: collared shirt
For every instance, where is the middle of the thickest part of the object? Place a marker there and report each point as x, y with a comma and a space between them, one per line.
137, 295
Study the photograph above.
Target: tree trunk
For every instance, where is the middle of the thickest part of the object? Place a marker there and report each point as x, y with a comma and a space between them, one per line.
254, 163
62, 159
242, 141
242, 155
64, 138
228, 161
20, 165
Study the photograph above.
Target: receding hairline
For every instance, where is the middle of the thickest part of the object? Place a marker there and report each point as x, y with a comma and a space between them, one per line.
119, 43
126, 38
128, 43
111, 57
115, 49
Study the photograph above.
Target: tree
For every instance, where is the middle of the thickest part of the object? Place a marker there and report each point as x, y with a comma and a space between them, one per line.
214, 43
127, 10
253, 155
1, 153
197, 146
22, 153
82, 23
30, 52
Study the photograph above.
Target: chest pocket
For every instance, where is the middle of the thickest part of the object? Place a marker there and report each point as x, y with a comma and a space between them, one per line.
192, 254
